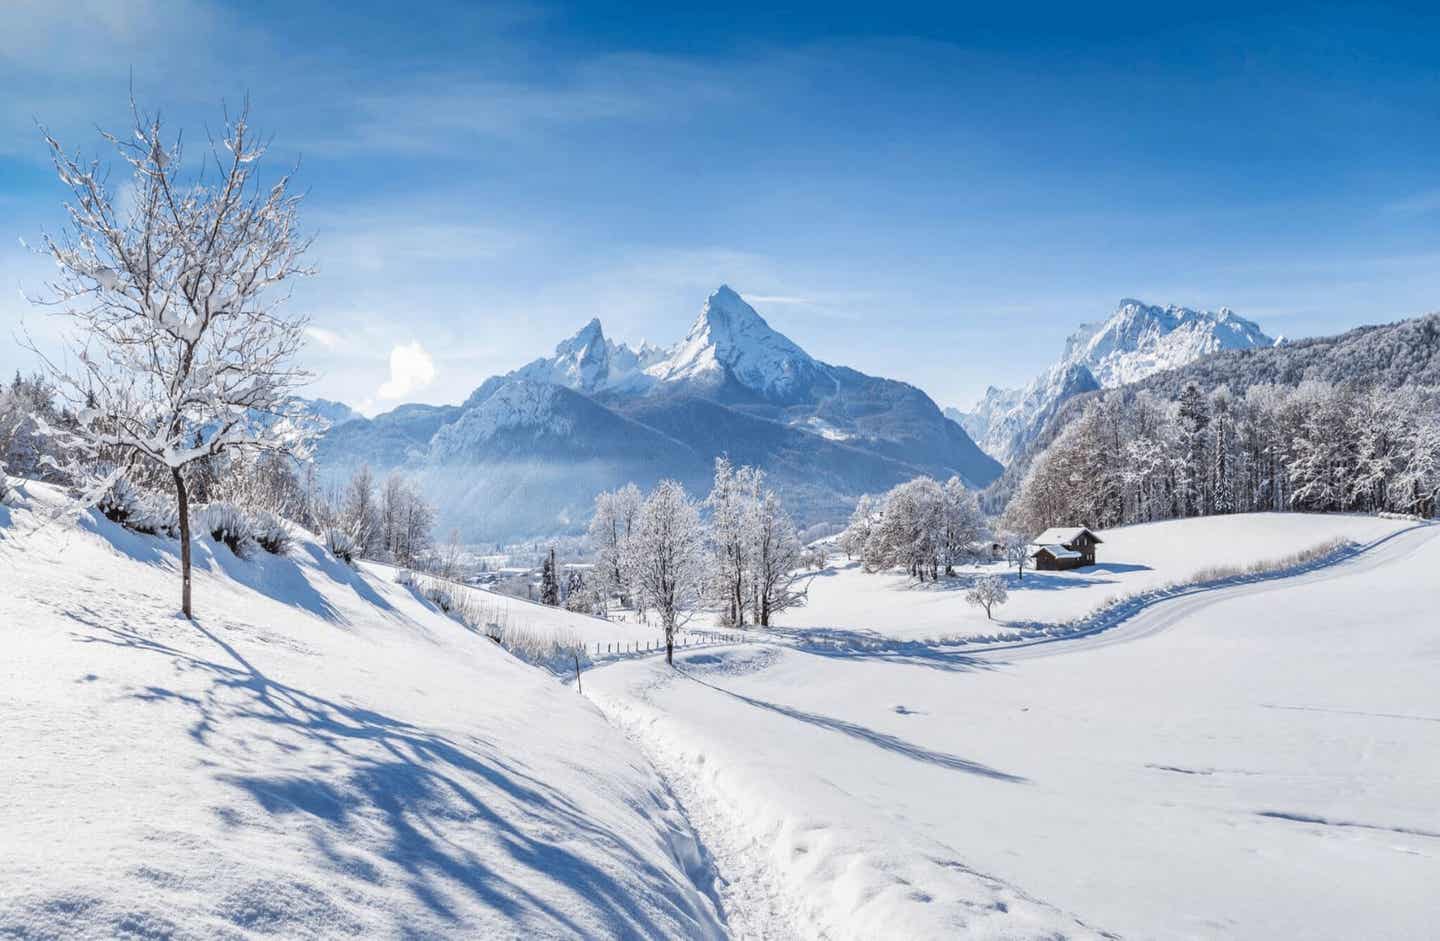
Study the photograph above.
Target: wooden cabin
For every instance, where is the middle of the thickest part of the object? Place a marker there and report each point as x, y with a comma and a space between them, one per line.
1063, 548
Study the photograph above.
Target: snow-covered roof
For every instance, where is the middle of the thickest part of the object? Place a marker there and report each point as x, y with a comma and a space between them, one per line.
1058, 551
1062, 535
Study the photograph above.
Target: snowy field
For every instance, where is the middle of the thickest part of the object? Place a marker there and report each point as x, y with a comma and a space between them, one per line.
1259, 761
322, 755
846, 600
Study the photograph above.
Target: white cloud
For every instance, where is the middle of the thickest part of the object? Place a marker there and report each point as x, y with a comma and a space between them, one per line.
411, 369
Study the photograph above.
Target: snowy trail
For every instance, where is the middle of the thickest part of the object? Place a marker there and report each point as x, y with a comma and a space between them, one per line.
805, 857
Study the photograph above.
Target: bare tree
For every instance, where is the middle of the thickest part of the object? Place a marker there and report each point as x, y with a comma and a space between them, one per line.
1017, 552
180, 351
667, 557
988, 592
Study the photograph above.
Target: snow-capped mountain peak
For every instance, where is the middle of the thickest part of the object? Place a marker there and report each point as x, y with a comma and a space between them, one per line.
730, 342
1140, 339
1136, 341
588, 361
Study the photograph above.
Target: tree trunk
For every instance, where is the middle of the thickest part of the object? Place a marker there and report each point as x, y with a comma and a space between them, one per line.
184, 505
669, 645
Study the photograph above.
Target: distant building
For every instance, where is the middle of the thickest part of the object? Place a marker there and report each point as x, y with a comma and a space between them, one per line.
1064, 548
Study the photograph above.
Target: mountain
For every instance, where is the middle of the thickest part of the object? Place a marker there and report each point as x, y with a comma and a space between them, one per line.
1383, 355
588, 362
1136, 341
526, 453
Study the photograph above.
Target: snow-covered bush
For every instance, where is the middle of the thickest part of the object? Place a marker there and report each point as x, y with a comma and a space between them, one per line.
4, 483
228, 524
138, 510
271, 532
341, 544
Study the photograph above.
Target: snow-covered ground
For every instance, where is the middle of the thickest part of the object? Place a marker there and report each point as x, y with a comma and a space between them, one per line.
320, 755
846, 600
323, 754
1255, 761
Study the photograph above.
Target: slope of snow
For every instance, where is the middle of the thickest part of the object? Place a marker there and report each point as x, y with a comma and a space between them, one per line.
1254, 762
1131, 559
320, 755
1136, 341
515, 404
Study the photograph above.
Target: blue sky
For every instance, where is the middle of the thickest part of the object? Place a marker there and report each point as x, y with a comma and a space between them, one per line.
934, 194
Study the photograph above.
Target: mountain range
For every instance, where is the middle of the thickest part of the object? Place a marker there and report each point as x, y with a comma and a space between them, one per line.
1137, 341
526, 453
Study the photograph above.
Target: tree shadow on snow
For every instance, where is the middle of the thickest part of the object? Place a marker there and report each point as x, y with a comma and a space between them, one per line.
851, 644
890, 743
403, 793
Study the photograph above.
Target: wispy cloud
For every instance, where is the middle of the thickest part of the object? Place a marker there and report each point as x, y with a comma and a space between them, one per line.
326, 338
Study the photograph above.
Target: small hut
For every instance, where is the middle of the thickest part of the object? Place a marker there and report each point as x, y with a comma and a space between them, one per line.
1061, 548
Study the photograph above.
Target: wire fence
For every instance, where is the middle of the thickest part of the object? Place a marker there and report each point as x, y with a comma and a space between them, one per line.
628, 648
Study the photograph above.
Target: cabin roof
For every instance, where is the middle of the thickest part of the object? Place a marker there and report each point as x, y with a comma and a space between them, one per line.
1058, 551
1063, 535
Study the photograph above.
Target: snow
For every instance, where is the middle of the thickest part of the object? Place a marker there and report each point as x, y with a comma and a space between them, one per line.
1060, 535
730, 338
853, 604
322, 754
1255, 761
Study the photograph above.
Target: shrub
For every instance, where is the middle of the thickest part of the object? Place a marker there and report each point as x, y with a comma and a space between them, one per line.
341, 544
227, 523
137, 510
271, 532
4, 483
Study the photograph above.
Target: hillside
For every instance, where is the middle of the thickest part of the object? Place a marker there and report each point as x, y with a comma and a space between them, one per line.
320, 755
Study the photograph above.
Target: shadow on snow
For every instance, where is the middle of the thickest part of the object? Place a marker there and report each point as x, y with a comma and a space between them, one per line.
411, 798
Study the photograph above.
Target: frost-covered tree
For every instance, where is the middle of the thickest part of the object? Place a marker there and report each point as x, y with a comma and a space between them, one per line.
988, 592
667, 557
178, 347
1017, 552
862, 523
962, 525
360, 511
733, 503
405, 521
611, 528
1314, 447
774, 553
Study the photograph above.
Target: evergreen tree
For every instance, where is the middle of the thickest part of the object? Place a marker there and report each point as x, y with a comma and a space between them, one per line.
549, 583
